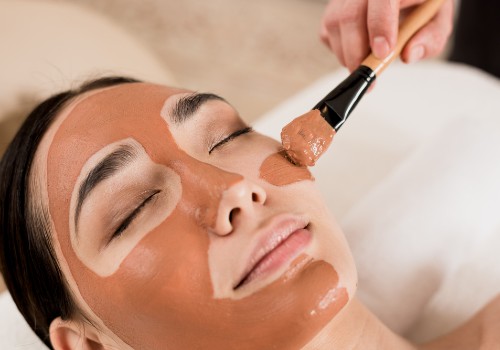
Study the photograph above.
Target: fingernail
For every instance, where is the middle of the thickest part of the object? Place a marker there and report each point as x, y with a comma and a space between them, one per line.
416, 54
381, 47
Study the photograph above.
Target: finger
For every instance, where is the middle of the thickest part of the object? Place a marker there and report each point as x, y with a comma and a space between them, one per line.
328, 22
383, 18
406, 7
332, 41
409, 3
355, 47
330, 32
336, 46
353, 34
431, 39
323, 35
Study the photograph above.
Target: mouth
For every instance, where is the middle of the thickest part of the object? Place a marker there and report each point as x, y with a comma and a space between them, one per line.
277, 245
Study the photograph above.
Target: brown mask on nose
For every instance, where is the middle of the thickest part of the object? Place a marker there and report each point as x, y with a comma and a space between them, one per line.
161, 296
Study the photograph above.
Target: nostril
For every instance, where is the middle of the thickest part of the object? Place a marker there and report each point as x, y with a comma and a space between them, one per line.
255, 197
232, 213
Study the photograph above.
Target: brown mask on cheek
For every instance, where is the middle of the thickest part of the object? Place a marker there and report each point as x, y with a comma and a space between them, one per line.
161, 296
278, 170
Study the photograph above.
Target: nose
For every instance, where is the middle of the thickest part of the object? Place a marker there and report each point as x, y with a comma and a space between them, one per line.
237, 202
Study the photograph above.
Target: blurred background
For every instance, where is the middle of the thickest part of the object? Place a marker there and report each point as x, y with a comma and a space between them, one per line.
254, 53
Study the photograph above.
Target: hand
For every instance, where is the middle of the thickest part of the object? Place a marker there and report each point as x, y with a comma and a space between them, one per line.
351, 28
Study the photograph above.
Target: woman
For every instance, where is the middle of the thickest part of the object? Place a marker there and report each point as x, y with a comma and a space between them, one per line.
146, 217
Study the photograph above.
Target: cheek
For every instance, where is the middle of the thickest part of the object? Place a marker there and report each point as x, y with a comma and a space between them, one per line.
172, 257
262, 157
166, 272
279, 171
159, 286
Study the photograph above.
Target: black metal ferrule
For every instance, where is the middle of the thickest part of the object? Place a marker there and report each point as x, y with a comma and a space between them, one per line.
340, 102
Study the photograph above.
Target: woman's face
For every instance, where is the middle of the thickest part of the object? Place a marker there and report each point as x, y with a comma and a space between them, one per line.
177, 227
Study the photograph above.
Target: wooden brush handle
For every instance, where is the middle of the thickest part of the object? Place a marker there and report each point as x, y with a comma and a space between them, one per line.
415, 20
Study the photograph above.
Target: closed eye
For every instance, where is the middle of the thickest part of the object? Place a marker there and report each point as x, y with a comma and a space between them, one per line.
130, 217
230, 138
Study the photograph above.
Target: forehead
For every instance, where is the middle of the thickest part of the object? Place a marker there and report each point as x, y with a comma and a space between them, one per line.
102, 117
118, 106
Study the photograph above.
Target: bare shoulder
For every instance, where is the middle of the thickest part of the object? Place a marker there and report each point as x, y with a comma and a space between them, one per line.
480, 332
490, 318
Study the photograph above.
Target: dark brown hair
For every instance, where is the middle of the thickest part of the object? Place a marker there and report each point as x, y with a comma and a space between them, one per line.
27, 259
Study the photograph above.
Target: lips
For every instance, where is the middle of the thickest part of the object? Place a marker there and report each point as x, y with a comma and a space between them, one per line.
276, 246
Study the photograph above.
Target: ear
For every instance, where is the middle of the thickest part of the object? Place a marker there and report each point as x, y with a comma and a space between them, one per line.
73, 335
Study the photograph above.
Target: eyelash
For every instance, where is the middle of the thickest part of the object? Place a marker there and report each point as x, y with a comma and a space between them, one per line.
130, 218
235, 134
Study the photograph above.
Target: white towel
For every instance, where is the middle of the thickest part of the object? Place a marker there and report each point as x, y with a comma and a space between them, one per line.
426, 240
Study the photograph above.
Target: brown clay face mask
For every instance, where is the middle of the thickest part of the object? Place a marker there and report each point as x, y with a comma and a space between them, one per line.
307, 137
161, 295
277, 170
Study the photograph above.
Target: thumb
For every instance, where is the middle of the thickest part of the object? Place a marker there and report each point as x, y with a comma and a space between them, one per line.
431, 39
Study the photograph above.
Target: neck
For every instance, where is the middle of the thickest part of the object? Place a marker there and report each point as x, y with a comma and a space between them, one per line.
356, 328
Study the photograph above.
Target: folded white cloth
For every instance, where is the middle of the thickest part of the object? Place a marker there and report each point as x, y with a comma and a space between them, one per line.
14, 331
426, 239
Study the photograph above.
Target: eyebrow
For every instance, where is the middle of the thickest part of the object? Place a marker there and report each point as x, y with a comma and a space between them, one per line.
186, 106
106, 168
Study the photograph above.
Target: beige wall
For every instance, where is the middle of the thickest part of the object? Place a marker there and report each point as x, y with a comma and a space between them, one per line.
253, 53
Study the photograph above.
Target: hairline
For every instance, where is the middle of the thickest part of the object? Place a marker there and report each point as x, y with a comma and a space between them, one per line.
38, 200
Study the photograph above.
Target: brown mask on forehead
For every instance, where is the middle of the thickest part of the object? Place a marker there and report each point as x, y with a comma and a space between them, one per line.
161, 295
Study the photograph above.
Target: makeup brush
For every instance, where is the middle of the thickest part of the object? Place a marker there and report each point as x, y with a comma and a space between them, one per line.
307, 137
